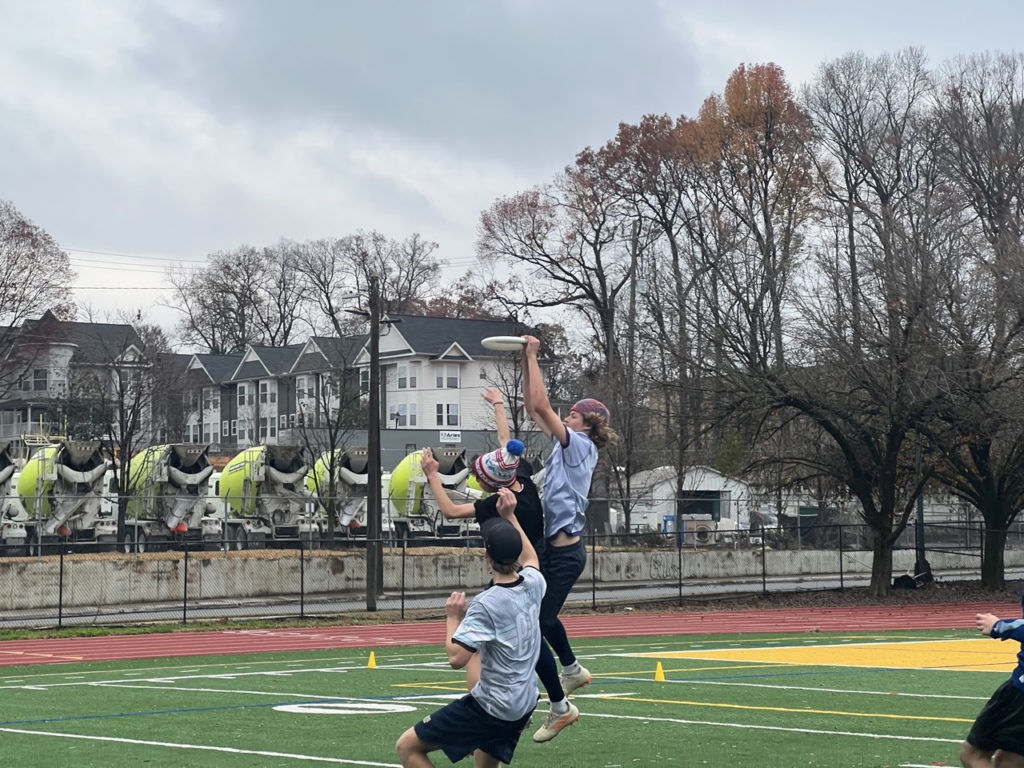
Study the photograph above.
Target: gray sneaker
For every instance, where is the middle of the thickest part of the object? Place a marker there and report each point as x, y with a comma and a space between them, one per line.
554, 724
571, 682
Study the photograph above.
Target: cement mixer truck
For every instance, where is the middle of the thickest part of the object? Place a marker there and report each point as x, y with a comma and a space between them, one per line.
61, 489
264, 498
11, 509
351, 492
168, 502
414, 512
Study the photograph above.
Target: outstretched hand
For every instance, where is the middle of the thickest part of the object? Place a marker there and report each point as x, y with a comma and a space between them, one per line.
455, 606
492, 396
532, 345
506, 503
984, 622
428, 463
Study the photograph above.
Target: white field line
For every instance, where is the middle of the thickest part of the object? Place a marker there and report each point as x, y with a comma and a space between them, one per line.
203, 748
747, 726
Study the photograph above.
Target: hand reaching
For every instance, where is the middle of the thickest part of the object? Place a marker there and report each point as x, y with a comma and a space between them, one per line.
492, 396
506, 503
455, 606
984, 622
428, 463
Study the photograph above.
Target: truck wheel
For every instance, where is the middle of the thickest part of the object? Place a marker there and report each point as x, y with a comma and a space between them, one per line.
238, 538
128, 545
141, 541
34, 550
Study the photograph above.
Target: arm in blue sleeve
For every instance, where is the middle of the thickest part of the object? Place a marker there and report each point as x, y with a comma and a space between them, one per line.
1009, 629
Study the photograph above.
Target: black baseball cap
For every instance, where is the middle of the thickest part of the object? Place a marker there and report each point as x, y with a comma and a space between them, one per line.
501, 540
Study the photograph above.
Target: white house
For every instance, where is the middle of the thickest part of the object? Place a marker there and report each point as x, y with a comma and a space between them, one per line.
705, 499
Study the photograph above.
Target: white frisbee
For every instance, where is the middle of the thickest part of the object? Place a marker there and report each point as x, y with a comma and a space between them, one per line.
503, 343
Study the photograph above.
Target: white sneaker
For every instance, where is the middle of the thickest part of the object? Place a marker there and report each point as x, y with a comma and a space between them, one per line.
554, 724
571, 682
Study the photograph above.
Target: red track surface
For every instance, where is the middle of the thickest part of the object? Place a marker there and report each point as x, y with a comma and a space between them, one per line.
178, 644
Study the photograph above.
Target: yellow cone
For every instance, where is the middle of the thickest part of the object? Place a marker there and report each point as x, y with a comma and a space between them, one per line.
659, 674
372, 663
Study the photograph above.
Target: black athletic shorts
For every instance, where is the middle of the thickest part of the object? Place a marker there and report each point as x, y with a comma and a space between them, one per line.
463, 726
1000, 725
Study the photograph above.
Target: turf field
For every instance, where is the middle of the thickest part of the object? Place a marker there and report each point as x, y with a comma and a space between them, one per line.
841, 699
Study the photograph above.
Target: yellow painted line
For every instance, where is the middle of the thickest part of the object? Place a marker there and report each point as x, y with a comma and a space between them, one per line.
790, 710
982, 654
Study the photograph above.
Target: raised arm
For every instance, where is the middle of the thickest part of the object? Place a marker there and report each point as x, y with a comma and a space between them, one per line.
536, 396
448, 508
495, 398
507, 509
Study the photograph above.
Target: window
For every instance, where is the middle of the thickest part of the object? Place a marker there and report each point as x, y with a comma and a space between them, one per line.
283, 420
304, 387
447, 414
408, 375
263, 428
234, 427
241, 394
447, 377
268, 391
225, 427
39, 379
483, 374
364, 381
195, 433
402, 415
211, 399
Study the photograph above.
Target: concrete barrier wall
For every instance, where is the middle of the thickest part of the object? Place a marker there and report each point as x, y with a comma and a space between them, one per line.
124, 580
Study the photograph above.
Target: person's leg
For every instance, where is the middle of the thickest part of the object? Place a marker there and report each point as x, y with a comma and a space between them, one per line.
482, 760
1003, 759
547, 671
562, 566
412, 752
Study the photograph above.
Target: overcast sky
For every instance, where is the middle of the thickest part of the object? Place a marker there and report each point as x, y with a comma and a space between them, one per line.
145, 133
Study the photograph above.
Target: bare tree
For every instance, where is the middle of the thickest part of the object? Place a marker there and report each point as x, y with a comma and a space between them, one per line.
980, 110
35, 277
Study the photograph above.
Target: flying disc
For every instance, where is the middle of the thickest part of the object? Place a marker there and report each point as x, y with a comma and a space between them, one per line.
503, 343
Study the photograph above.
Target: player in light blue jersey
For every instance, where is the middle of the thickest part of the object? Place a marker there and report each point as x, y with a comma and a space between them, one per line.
997, 736
569, 470
501, 624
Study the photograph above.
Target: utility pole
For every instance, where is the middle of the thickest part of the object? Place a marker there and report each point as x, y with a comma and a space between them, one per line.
374, 544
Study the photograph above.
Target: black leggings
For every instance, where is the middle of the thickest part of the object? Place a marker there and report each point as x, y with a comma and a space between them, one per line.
561, 567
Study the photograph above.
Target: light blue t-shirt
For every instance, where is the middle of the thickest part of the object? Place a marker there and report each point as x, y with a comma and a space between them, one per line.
569, 471
503, 624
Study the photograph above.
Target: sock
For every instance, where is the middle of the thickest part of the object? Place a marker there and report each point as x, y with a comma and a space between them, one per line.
571, 669
560, 707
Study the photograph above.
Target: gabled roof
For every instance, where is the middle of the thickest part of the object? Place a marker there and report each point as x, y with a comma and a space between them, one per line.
96, 343
218, 368
338, 353
455, 338
264, 362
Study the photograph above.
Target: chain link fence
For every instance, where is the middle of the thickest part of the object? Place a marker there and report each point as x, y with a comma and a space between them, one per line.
211, 581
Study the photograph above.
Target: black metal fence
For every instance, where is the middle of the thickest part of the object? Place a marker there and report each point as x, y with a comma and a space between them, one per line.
212, 582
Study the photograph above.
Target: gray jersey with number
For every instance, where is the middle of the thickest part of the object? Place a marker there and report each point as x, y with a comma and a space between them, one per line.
502, 623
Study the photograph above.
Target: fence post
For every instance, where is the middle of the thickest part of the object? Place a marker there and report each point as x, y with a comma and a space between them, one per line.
841, 584
593, 571
302, 581
60, 587
679, 565
764, 564
401, 612
184, 592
